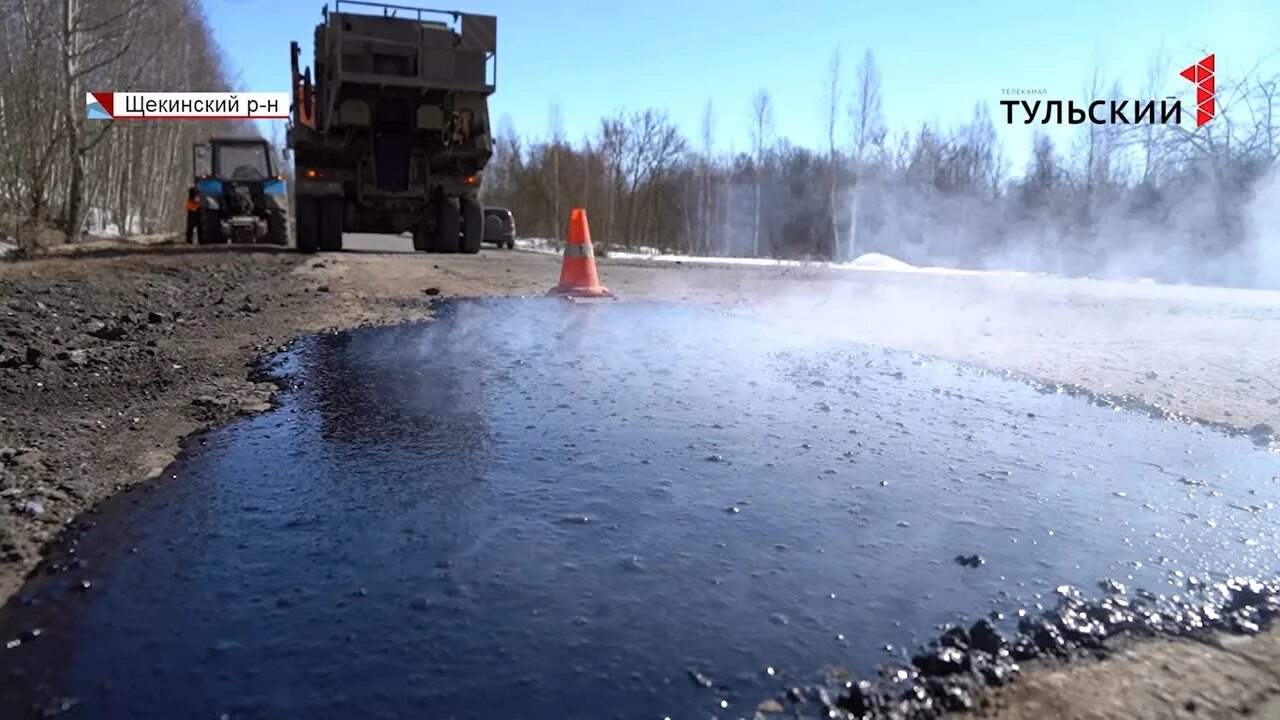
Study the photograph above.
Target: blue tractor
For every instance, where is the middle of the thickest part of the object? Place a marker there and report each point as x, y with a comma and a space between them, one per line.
240, 192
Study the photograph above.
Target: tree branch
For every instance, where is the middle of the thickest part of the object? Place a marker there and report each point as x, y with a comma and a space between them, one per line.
126, 12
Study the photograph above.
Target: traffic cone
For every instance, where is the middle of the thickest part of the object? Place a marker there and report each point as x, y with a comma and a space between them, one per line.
578, 273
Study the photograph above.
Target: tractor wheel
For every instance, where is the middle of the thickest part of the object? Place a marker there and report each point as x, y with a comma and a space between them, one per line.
278, 228
444, 237
472, 224
210, 228
306, 221
331, 224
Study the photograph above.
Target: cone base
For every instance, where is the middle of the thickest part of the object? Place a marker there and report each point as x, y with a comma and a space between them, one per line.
580, 292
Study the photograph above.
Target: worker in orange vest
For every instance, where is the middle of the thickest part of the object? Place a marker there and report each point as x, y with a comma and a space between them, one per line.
193, 213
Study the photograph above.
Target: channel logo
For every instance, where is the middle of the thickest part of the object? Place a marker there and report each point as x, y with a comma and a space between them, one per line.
1202, 75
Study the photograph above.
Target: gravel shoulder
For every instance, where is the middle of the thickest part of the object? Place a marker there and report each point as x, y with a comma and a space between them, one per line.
109, 359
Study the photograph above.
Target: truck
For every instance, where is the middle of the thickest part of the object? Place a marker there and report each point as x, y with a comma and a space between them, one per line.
239, 191
391, 133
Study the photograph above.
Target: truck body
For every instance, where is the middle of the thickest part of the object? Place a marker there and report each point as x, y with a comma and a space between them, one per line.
240, 192
392, 133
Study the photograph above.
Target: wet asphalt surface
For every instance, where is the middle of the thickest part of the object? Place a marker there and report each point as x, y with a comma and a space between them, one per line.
536, 509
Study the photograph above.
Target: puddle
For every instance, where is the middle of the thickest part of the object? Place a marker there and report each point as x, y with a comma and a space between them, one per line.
529, 508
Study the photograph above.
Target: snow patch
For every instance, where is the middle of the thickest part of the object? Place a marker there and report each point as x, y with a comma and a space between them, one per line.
102, 223
880, 261
7, 249
659, 257
869, 262
546, 246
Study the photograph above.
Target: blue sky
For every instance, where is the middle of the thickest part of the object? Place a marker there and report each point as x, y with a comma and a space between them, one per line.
937, 59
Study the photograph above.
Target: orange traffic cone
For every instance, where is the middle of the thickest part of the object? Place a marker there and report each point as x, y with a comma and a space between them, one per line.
578, 273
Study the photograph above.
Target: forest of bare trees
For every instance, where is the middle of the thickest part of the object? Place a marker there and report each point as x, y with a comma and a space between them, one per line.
1176, 203
62, 173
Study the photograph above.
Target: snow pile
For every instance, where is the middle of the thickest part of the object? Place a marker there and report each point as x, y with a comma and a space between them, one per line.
880, 261
7, 249
546, 246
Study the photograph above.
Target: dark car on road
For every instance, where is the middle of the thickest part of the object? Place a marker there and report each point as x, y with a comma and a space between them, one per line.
499, 227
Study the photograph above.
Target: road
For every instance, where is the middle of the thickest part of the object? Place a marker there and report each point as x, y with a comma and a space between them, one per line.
205, 535
373, 242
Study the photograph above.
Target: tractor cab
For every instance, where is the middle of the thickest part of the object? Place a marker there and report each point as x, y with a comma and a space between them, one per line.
241, 161
241, 194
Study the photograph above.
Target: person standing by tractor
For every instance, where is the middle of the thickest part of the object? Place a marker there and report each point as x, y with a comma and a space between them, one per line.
193, 213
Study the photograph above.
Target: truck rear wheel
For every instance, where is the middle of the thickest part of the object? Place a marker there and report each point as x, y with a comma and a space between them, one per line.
306, 218
331, 224
444, 237
422, 236
472, 224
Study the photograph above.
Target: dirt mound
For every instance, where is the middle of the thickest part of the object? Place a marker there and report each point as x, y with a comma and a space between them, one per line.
28, 234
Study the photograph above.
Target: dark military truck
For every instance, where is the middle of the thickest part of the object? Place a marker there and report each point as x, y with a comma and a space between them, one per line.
391, 133
240, 192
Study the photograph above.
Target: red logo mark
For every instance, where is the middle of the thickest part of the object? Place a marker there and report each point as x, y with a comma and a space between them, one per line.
1202, 75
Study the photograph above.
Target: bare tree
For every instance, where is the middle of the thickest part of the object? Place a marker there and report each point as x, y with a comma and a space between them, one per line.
1236, 148
1150, 134
89, 43
866, 117
555, 138
1094, 149
614, 143
1259, 100
1043, 173
656, 145
866, 124
502, 173
708, 130
832, 101
32, 142
761, 131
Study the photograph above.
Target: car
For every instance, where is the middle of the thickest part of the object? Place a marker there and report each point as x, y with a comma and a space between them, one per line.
499, 227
